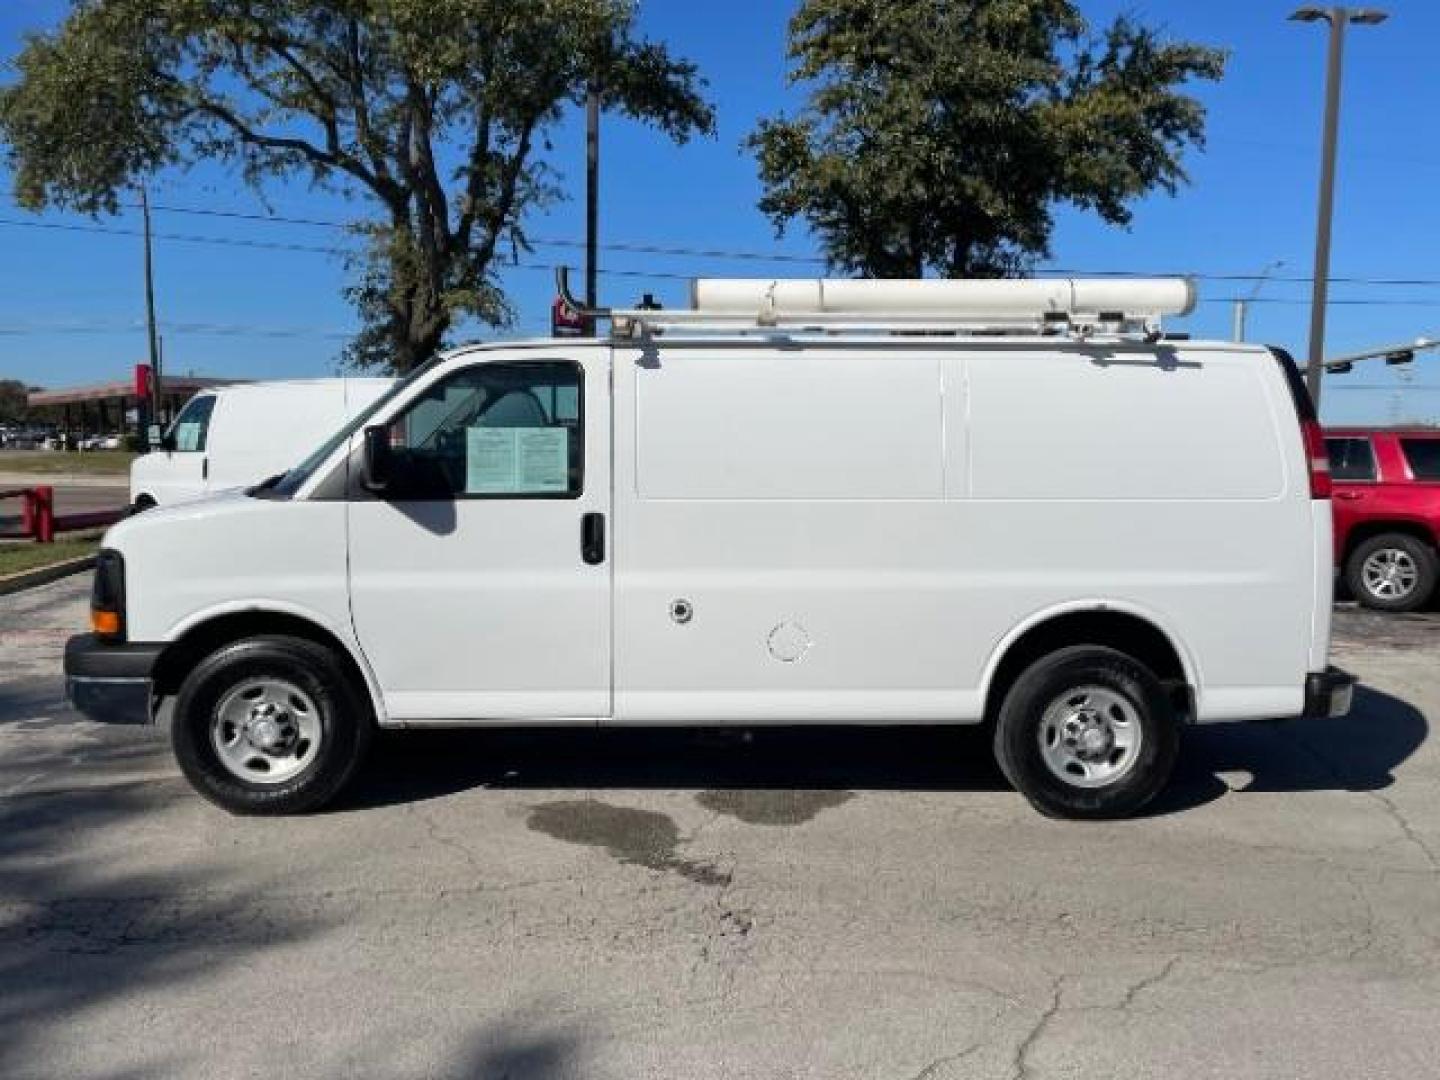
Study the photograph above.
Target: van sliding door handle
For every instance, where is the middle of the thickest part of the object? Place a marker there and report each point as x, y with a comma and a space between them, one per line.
592, 538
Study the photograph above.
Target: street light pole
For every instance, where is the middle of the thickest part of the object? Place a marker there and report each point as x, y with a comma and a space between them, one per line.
1242, 304
1338, 18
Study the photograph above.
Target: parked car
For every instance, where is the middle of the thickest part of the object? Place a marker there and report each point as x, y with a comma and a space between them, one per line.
1387, 513
828, 502
239, 435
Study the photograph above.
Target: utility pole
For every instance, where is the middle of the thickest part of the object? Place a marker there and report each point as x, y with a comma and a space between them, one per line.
1338, 18
155, 393
592, 195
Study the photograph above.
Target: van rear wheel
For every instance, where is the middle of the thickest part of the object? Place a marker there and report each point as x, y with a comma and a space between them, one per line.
1391, 572
270, 725
1087, 732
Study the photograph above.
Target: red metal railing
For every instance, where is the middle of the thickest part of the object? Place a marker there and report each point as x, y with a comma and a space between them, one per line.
38, 520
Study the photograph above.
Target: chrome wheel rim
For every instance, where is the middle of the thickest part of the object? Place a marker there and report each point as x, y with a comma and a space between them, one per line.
266, 731
1390, 574
1090, 736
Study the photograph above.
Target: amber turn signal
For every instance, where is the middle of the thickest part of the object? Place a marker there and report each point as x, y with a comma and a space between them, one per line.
105, 623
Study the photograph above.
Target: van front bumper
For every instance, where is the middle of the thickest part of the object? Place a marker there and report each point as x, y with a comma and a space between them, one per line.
110, 682
1328, 693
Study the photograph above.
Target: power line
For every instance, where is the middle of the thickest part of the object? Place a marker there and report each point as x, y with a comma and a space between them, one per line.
310, 249
631, 247
110, 230
621, 247
704, 253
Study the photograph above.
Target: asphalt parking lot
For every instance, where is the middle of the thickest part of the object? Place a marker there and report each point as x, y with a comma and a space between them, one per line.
825, 904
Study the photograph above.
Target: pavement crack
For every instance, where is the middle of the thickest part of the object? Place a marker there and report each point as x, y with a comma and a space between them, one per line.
1148, 983
432, 829
1391, 809
1405, 827
932, 1070
1367, 941
1020, 1063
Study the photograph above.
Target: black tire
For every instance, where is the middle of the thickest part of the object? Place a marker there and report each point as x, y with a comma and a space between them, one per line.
343, 711
1021, 716
1420, 555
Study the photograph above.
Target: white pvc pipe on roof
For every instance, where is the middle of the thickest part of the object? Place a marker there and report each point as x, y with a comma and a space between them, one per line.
979, 299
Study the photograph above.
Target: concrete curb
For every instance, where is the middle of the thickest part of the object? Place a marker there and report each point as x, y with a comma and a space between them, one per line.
43, 575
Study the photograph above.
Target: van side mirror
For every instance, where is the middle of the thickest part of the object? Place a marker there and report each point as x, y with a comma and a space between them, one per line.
377, 469
156, 438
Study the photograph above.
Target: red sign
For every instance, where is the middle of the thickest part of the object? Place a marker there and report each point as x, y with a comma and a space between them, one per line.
143, 384
565, 321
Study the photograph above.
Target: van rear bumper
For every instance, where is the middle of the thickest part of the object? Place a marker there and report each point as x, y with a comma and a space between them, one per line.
108, 682
1328, 693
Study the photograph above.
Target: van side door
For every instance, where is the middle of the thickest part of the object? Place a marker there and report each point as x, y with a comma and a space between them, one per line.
480, 577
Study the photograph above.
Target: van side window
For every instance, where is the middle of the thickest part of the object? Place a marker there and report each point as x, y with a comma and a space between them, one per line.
1423, 456
192, 426
494, 431
1351, 459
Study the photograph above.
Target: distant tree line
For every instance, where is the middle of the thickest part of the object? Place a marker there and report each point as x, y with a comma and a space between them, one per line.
14, 407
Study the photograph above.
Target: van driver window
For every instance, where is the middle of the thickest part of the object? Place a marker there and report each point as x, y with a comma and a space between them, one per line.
192, 426
494, 431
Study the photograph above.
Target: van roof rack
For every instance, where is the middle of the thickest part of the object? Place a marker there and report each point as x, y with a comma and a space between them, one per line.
1078, 307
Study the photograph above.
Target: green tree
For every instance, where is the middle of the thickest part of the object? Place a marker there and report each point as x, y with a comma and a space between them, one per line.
939, 135
14, 401
436, 109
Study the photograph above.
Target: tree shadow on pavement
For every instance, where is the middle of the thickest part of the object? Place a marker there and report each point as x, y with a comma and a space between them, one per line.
511, 1051
76, 936
1358, 752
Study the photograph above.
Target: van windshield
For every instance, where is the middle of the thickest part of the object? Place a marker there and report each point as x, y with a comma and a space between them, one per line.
286, 486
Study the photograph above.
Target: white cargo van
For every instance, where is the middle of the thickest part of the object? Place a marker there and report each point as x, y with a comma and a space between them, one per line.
795, 503
238, 435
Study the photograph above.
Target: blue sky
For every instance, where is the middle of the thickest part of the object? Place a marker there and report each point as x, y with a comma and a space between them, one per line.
71, 305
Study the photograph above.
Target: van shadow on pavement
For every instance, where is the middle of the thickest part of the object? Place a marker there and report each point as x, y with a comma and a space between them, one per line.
1355, 753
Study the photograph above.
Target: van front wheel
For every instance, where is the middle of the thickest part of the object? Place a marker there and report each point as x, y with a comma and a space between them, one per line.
270, 725
1087, 732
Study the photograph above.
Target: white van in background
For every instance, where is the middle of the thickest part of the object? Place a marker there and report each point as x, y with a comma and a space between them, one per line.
235, 436
868, 502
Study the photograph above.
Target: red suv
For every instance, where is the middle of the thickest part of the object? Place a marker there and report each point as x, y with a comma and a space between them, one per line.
1387, 513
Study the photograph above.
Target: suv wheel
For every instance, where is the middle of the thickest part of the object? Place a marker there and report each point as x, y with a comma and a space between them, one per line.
1391, 572
270, 725
1087, 732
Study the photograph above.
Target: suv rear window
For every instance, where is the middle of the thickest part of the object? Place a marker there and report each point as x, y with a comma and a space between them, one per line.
1423, 456
1351, 459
